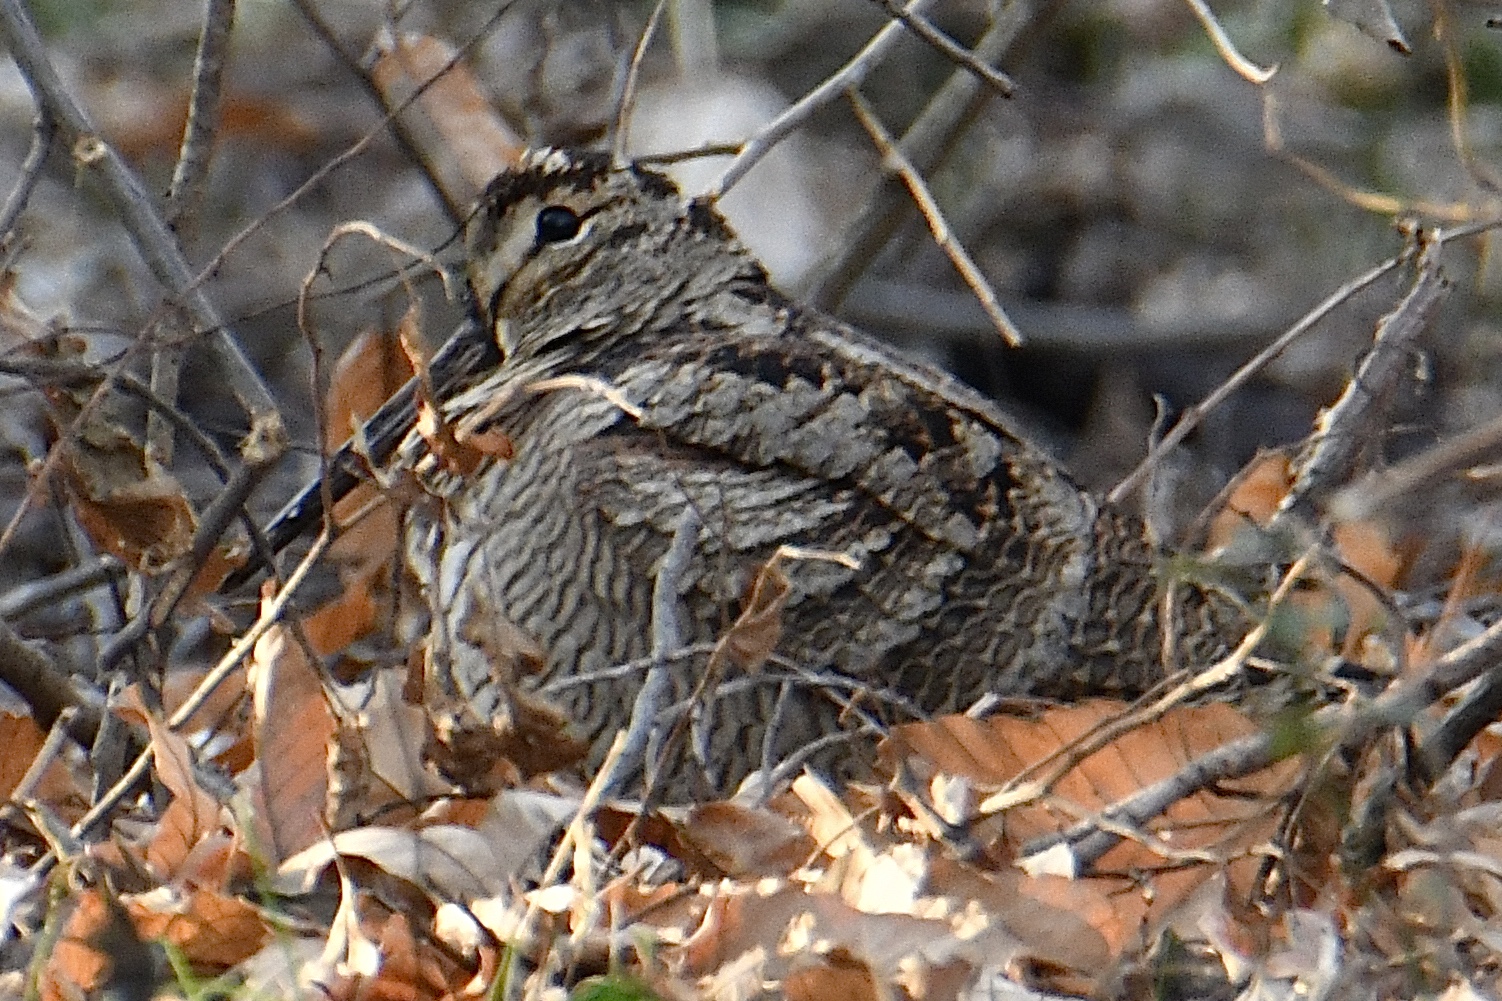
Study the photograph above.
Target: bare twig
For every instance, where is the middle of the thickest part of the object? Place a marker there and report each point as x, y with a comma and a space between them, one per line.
50, 590
644, 732
1221, 39
199, 132
1421, 472
574, 836
226, 506
1192, 417
697, 153
949, 48
1345, 428
927, 143
894, 162
154, 240
623, 107
45, 756
357, 147
400, 132
847, 76
1474, 713
31, 172
184, 195
48, 688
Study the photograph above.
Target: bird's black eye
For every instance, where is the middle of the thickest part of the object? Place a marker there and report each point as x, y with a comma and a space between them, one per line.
556, 223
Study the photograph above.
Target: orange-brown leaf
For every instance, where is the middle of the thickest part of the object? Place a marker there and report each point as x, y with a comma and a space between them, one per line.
293, 728
21, 740
192, 815
213, 930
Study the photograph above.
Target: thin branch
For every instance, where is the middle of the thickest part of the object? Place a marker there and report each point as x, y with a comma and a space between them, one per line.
949, 48
1421, 472
1346, 427
1040, 776
48, 688
185, 193
927, 143
894, 162
644, 732
271, 613
850, 75
153, 239
405, 141
31, 171
1192, 417
49, 591
1221, 39
624, 106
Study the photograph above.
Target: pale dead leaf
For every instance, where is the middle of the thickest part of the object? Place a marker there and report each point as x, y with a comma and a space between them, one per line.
379, 760
349, 951
454, 863
740, 919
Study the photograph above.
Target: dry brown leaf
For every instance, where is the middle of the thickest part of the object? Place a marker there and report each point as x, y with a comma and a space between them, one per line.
221, 561
368, 372
146, 522
149, 125
1255, 499
129, 506
352, 616
995, 751
192, 816
408, 970
835, 975
998, 750
1369, 547
293, 728
758, 629
21, 740
213, 930
99, 947
746, 842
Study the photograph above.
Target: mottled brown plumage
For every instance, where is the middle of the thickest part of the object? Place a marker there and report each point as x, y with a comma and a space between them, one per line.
981, 567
